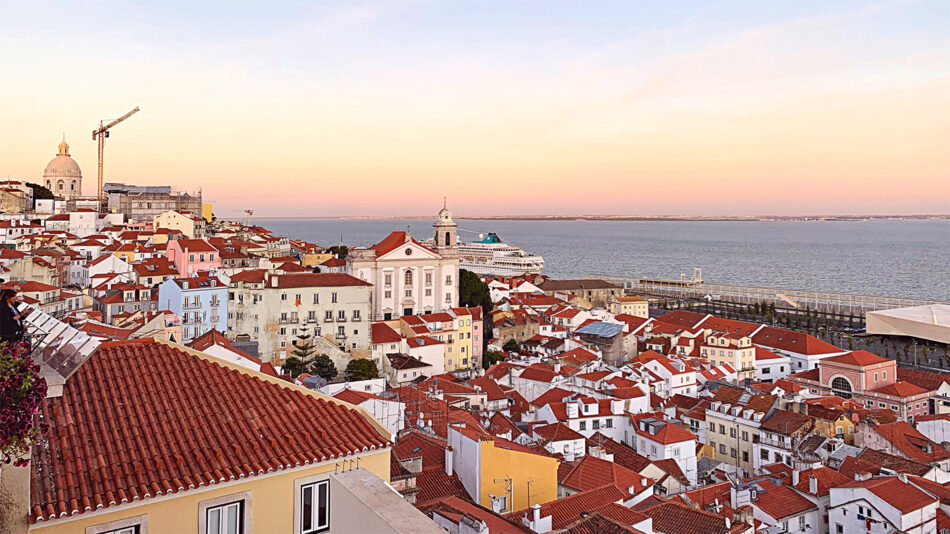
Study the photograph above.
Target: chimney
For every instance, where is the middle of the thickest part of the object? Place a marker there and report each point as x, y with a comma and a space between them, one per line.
273, 281
557, 366
812, 485
536, 513
795, 476
902, 477
448, 460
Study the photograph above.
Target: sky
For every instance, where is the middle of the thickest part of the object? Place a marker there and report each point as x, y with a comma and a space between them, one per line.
332, 108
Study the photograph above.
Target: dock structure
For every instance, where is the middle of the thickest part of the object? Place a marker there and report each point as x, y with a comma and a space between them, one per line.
696, 289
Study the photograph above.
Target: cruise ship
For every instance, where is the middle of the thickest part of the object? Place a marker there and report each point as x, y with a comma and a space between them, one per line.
490, 256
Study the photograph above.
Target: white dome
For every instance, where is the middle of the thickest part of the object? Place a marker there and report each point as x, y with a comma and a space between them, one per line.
62, 166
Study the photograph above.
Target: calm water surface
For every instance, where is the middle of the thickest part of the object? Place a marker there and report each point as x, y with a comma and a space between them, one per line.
893, 258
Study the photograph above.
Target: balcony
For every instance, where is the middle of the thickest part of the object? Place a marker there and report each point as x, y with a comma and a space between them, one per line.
341, 319
356, 319
340, 336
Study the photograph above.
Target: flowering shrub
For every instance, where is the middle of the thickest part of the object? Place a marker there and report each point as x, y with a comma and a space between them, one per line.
21, 390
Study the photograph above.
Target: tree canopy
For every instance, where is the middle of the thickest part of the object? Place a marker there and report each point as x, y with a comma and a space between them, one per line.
323, 367
361, 369
473, 291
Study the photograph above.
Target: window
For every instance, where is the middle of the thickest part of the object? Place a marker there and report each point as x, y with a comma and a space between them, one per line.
722, 449
315, 507
283, 296
745, 456
428, 279
841, 387
225, 519
875, 377
388, 295
596, 424
316, 298
341, 315
407, 278
609, 423
341, 331
885, 375
130, 525
745, 436
732, 452
356, 315
333, 297
722, 429
732, 432
839, 529
448, 280
583, 425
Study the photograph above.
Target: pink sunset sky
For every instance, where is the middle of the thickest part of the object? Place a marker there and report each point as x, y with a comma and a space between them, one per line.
529, 107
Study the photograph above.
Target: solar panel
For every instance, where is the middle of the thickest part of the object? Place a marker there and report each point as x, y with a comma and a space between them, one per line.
57, 345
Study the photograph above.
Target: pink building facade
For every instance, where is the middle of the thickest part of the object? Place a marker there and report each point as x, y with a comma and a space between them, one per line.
192, 255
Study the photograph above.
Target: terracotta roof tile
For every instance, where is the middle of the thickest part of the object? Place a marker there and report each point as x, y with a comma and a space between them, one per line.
143, 418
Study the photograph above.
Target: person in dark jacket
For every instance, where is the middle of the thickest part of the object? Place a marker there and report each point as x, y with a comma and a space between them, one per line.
11, 321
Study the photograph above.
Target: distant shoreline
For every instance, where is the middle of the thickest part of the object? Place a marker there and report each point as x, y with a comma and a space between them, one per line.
627, 218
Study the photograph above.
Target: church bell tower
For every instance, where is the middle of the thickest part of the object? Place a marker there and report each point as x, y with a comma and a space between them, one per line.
446, 232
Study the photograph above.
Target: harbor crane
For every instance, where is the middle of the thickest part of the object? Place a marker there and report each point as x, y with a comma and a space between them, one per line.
101, 133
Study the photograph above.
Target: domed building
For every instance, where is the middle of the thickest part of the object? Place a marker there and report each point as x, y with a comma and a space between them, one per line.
62, 175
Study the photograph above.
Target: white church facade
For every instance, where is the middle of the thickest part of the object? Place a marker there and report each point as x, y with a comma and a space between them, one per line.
408, 277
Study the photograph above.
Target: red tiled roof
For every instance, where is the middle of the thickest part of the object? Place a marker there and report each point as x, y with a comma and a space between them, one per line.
285, 281
454, 507
383, 333
797, 342
858, 357
434, 484
671, 517
567, 510
826, 478
394, 241
194, 245
144, 418
780, 501
592, 472
900, 389
557, 432
911, 443
901, 495
413, 443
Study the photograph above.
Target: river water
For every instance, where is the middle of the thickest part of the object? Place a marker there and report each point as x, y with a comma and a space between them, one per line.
899, 258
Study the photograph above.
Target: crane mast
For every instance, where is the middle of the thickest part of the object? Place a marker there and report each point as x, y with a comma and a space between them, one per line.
101, 133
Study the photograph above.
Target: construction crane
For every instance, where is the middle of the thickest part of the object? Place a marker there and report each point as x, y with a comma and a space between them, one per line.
247, 220
101, 133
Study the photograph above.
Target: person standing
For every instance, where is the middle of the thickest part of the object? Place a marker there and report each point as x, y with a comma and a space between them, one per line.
11, 320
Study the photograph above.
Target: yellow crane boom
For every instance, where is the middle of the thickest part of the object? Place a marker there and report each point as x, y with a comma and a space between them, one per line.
101, 133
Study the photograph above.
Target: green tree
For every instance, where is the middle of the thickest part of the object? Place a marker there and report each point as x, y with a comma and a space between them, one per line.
492, 357
39, 193
340, 251
303, 345
473, 291
323, 367
361, 369
294, 366
511, 345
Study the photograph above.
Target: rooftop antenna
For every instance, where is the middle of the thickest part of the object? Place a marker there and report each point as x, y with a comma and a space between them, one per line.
445, 202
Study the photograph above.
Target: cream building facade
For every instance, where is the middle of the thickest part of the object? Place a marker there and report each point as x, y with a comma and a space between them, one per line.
408, 277
274, 308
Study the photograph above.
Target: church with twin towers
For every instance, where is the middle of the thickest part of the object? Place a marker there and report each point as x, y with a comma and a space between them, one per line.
411, 277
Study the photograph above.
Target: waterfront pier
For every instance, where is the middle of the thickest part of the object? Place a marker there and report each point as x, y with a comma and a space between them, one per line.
695, 289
